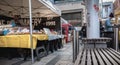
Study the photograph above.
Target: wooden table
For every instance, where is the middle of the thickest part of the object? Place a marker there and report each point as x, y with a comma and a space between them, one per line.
21, 41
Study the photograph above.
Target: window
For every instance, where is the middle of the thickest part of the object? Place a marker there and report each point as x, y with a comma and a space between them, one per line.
72, 16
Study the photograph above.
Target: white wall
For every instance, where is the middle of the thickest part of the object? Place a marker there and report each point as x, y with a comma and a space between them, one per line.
70, 6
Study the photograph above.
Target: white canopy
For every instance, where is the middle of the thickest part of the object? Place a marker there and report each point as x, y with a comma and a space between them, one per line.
40, 8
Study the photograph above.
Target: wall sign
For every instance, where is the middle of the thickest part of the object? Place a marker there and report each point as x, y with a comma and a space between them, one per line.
49, 22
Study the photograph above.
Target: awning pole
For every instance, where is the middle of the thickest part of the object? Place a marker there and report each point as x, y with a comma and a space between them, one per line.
31, 40
102, 7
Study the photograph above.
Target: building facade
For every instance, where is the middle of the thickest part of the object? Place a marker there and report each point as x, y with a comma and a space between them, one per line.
106, 9
72, 10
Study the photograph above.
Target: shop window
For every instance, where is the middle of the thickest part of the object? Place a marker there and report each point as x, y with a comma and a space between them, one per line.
72, 16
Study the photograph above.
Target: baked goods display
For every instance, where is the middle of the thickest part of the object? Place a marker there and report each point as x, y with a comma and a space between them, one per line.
23, 30
21, 26
9, 30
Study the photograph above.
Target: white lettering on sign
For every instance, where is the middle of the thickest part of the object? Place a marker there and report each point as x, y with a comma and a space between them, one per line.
50, 23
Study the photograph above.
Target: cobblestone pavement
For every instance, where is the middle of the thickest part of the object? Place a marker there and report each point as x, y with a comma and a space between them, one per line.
62, 56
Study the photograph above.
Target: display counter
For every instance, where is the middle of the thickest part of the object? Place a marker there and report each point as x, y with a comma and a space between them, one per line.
21, 41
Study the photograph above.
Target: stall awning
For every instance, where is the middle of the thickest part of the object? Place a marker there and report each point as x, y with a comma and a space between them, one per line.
64, 21
40, 8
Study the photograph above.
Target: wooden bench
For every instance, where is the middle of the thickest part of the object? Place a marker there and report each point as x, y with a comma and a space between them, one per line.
106, 56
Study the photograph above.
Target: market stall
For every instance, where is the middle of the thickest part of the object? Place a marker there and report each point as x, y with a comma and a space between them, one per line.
117, 10
20, 11
117, 23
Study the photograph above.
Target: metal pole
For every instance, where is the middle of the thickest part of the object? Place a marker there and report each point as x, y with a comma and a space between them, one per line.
77, 42
61, 25
116, 38
74, 42
31, 40
61, 30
